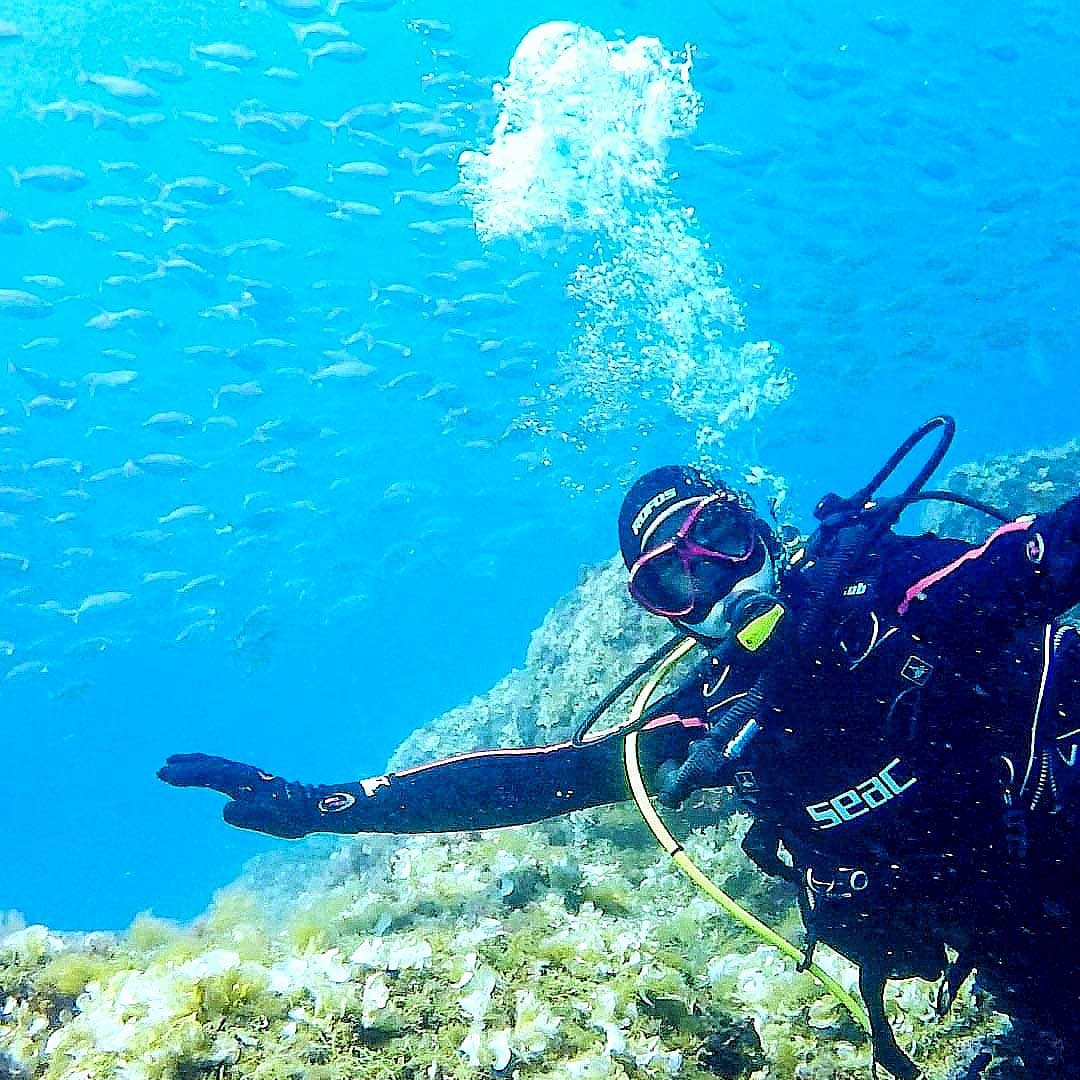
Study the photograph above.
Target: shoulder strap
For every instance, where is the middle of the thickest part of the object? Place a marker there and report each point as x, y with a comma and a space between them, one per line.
831, 554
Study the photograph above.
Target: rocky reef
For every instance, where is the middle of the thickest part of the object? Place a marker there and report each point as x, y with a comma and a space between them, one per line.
569, 950
519, 953
1032, 482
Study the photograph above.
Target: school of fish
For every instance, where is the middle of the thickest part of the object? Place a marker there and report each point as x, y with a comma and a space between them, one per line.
218, 358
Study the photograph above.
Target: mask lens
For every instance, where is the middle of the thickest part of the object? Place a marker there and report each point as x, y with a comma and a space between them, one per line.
724, 529
663, 584
712, 579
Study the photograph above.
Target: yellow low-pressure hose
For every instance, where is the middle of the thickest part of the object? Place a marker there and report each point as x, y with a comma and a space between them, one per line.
687, 865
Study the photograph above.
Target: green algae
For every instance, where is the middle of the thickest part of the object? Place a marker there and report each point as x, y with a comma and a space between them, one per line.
425, 966
68, 973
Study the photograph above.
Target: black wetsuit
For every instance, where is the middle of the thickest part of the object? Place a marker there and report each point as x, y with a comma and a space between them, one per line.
918, 766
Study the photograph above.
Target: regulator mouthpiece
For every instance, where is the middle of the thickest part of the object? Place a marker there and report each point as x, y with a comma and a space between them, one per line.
755, 619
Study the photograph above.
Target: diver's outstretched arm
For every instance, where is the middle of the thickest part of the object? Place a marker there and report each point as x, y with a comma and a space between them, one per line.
1027, 571
484, 789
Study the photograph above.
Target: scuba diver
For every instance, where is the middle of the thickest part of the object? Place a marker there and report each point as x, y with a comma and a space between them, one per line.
900, 715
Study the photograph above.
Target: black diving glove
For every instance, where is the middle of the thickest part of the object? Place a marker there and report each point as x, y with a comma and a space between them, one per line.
257, 800
705, 767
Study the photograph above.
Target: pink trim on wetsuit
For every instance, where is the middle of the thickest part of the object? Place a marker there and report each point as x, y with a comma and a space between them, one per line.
933, 578
660, 721
674, 718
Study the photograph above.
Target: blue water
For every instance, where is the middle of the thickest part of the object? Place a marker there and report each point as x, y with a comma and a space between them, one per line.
892, 194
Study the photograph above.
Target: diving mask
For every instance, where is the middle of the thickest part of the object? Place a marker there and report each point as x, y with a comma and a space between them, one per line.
706, 556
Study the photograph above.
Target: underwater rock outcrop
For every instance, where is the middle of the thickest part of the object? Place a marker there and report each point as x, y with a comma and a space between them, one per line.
1031, 482
587, 640
569, 949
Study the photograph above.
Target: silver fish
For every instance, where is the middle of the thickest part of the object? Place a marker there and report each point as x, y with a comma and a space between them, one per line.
284, 127
200, 117
236, 150
57, 464
346, 52
242, 390
169, 421
450, 197
225, 52
201, 582
120, 87
200, 189
357, 168
270, 174
23, 305
134, 257
89, 647
320, 29
166, 463
126, 471
305, 194
217, 65
39, 380
96, 379
430, 129
371, 116
264, 243
137, 125
183, 512
220, 421
109, 320
49, 177
197, 631
166, 70
399, 294
278, 463
347, 210
461, 84
345, 366
52, 224
395, 348
98, 601
117, 202
27, 667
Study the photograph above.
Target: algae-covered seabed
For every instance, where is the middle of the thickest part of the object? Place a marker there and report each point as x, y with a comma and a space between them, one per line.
571, 948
